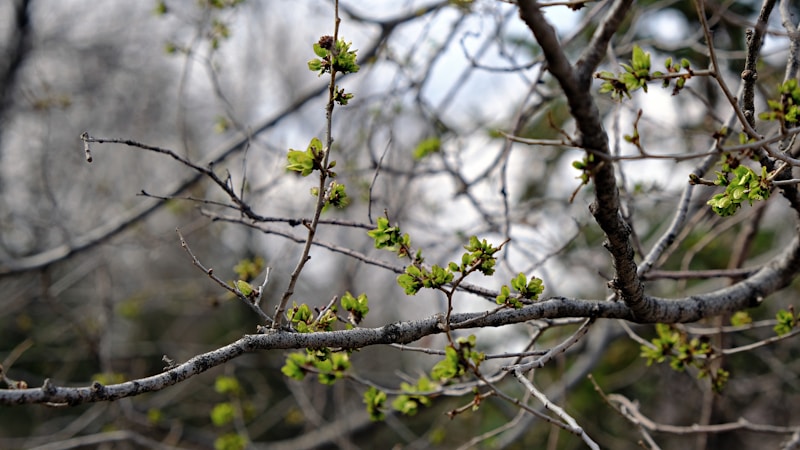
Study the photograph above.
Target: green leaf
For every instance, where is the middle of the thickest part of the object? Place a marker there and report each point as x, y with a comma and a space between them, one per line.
448, 368
300, 162
409, 403
356, 306
315, 147
227, 385
245, 288
293, 368
375, 400
315, 65
319, 51
301, 313
719, 380
248, 269
161, 8
519, 282
410, 284
427, 147
333, 368
337, 196
406, 404
741, 318
786, 322
307, 161
389, 238
222, 414
345, 59
341, 97
155, 416
440, 276
230, 441
534, 288
481, 253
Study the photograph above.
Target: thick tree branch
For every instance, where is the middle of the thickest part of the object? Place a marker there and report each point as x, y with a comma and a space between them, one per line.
593, 138
748, 293
755, 38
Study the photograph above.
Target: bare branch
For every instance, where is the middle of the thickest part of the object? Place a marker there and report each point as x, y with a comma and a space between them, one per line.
631, 411
251, 301
606, 207
596, 49
572, 425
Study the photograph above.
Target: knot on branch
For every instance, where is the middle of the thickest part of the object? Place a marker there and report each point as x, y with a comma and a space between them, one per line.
48, 387
749, 75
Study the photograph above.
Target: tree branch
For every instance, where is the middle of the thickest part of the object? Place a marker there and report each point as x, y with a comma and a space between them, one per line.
591, 57
747, 293
592, 137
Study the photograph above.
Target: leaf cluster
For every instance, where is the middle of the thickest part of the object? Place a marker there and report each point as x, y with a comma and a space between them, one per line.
427, 147
786, 321
230, 441
479, 256
329, 366
787, 109
741, 318
418, 276
248, 269
303, 320
336, 57
683, 352
410, 402
585, 166
224, 413
335, 195
524, 289
459, 358
390, 238
247, 290
375, 399
637, 74
357, 307
744, 185
305, 162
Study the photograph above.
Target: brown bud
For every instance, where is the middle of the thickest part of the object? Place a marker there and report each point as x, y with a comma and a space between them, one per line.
326, 42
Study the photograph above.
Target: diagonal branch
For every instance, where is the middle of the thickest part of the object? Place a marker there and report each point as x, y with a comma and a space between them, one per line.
593, 138
773, 276
591, 57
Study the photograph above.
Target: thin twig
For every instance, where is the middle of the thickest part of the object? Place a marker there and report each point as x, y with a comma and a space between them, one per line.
321, 191
571, 425
558, 349
631, 411
252, 303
